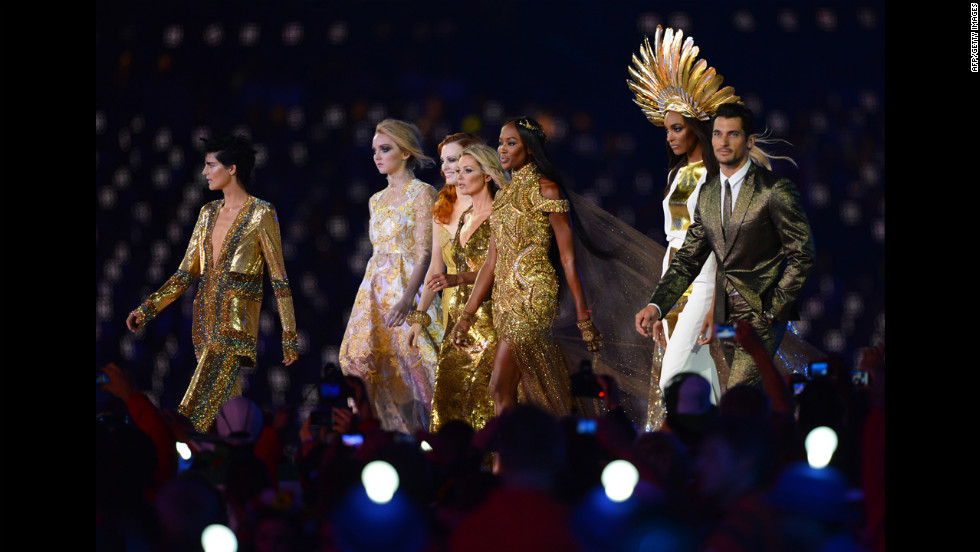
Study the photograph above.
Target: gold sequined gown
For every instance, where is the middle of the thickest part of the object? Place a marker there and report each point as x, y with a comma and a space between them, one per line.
462, 390
226, 307
525, 289
445, 239
398, 381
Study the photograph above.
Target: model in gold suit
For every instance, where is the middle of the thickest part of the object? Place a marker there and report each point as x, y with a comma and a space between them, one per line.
462, 390
527, 215
233, 240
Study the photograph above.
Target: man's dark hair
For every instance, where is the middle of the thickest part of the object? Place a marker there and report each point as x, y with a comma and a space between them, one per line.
233, 150
739, 111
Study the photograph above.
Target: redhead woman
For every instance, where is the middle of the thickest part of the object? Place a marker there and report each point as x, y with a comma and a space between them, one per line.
445, 218
375, 347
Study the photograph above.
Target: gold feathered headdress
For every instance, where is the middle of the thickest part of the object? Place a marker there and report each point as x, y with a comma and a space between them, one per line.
668, 79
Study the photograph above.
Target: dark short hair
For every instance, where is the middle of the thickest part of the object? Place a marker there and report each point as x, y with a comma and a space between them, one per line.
233, 150
737, 111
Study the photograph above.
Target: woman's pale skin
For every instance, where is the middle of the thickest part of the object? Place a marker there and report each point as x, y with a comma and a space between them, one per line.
392, 161
682, 141
219, 177
506, 374
473, 186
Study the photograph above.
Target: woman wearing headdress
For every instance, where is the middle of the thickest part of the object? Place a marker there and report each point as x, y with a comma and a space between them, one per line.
528, 215
462, 389
682, 95
375, 346
681, 99
446, 212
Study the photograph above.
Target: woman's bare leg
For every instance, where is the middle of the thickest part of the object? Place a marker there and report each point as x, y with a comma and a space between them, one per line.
504, 380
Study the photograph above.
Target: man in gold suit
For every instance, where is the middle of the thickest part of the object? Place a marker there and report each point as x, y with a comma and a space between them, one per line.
754, 224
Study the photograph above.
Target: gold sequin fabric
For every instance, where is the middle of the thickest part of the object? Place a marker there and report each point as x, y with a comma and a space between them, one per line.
525, 290
685, 184
446, 248
462, 390
226, 308
399, 382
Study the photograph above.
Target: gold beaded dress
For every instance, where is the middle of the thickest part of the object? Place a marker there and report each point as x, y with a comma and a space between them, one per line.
398, 381
226, 308
446, 248
462, 390
525, 289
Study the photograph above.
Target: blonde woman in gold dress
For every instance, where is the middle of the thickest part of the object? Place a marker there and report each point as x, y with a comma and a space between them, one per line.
446, 213
463, 375
233, 241
375, 346
528, 215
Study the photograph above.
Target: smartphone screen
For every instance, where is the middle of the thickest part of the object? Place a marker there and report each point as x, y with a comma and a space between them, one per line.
724, 332
354, 440
859, 377
818, 369
586, 425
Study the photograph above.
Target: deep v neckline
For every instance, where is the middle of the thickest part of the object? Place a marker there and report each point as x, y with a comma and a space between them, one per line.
228, 234
459, 227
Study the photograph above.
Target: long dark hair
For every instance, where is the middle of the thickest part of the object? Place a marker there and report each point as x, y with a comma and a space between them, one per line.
533, 136
702, 130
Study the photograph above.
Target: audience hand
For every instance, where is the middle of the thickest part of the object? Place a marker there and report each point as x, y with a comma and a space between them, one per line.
120, 383
343, 419
284, 416
748, 338
872, 358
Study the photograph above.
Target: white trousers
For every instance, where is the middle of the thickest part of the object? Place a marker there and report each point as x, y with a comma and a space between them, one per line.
683, 354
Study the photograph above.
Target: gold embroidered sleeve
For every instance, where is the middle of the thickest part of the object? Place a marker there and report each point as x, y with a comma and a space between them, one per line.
271, 241
190, 268
423, 223
545, 205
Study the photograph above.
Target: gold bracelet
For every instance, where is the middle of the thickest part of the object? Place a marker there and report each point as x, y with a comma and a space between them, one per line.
467, 316
591, 336
419, 317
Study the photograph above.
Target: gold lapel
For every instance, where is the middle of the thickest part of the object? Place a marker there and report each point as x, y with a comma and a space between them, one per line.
745, 194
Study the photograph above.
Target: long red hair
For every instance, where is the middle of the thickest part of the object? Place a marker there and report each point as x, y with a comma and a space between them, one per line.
443, 208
